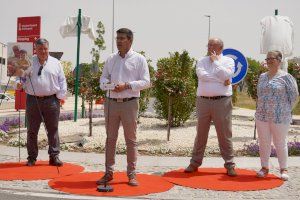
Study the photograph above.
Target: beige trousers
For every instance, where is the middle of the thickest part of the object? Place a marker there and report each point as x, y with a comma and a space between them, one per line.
219, 111
125, 112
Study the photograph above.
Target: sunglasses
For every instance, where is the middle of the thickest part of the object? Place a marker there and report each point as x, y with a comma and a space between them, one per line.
40, 70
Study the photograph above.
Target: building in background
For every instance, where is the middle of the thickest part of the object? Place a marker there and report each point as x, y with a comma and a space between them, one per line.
3, 64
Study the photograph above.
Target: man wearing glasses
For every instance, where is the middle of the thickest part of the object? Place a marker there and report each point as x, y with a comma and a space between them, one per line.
214, 91
45, 85
127, 72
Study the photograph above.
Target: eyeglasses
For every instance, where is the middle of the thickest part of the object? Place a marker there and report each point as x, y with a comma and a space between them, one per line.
40, 70
271, 58
120, 38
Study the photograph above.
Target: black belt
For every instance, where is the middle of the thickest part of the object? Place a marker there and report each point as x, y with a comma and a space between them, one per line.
213, 98
43, 97
120, 100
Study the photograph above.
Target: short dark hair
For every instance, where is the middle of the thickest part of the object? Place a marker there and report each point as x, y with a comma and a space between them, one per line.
41, 41
126, 31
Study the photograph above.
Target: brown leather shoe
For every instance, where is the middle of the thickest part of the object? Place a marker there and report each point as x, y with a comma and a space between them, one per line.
231, 172
105, 179
30, 163
55, 161
190, 169
132, 180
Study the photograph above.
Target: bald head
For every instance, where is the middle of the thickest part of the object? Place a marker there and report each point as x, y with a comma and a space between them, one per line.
215, 45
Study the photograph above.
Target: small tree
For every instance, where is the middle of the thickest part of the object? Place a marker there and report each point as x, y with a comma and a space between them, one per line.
175, 81
89, 88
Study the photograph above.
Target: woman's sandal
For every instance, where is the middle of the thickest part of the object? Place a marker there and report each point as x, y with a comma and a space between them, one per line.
262, 173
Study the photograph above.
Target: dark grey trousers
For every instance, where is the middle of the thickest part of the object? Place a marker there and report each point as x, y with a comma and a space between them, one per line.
219, 111
49, 109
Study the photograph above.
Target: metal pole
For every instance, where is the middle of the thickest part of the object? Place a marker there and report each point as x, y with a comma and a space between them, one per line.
113, 28
77, 64
169, 117
208, 25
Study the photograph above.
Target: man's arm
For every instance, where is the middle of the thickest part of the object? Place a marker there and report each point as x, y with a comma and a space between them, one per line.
105, 76
62, 93
224, 70
202, 74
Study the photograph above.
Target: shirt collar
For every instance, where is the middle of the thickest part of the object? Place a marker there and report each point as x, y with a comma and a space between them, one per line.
129, 53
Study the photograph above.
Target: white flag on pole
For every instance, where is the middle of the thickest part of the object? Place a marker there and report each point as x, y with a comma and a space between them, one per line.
69, 27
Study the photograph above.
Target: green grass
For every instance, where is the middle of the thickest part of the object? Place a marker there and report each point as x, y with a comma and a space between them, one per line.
245, 101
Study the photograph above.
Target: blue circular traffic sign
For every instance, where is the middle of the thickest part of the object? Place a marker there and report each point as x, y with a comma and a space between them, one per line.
240, 64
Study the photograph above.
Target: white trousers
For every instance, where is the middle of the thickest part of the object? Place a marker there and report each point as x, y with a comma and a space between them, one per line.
266, 131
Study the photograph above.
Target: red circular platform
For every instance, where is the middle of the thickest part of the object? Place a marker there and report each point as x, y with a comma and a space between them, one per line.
85, 184
216, 179
41, 170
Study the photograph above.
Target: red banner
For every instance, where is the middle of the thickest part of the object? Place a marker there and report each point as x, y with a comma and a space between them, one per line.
29, 27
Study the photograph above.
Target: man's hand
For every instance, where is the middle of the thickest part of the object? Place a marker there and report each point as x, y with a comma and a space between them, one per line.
227, 82
213, 56
120, 87
19, 86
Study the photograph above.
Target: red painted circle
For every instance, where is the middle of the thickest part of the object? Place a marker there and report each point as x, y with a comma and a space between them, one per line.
216, 179
85, 184
41, 170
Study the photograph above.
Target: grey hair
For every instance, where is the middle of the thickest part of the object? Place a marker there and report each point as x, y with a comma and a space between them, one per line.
41, 41
277, 54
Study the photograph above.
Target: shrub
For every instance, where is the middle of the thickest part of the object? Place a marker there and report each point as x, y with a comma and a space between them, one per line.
175, 81
10, 123
146, 94
294, 70
254, 71
252, 149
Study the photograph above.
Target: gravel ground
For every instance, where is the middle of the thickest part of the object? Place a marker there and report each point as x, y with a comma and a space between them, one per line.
152, 137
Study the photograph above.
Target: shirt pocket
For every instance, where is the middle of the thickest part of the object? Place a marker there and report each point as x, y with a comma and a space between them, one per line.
130, 68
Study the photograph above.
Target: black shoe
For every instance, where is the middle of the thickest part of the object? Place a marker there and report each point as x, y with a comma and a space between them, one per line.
105, 179
30, 163
54, 161
190, 169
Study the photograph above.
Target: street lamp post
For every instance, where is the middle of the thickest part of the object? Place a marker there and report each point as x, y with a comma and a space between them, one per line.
208, 25
113, 27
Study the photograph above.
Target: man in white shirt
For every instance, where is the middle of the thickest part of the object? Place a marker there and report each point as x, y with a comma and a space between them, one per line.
129, 72
45, 85
214, 104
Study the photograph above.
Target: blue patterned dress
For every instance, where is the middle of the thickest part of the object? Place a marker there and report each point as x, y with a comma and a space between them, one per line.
276, 98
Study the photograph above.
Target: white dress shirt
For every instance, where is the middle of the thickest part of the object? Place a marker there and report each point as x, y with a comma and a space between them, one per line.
132, 69
51, 81
212, 75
